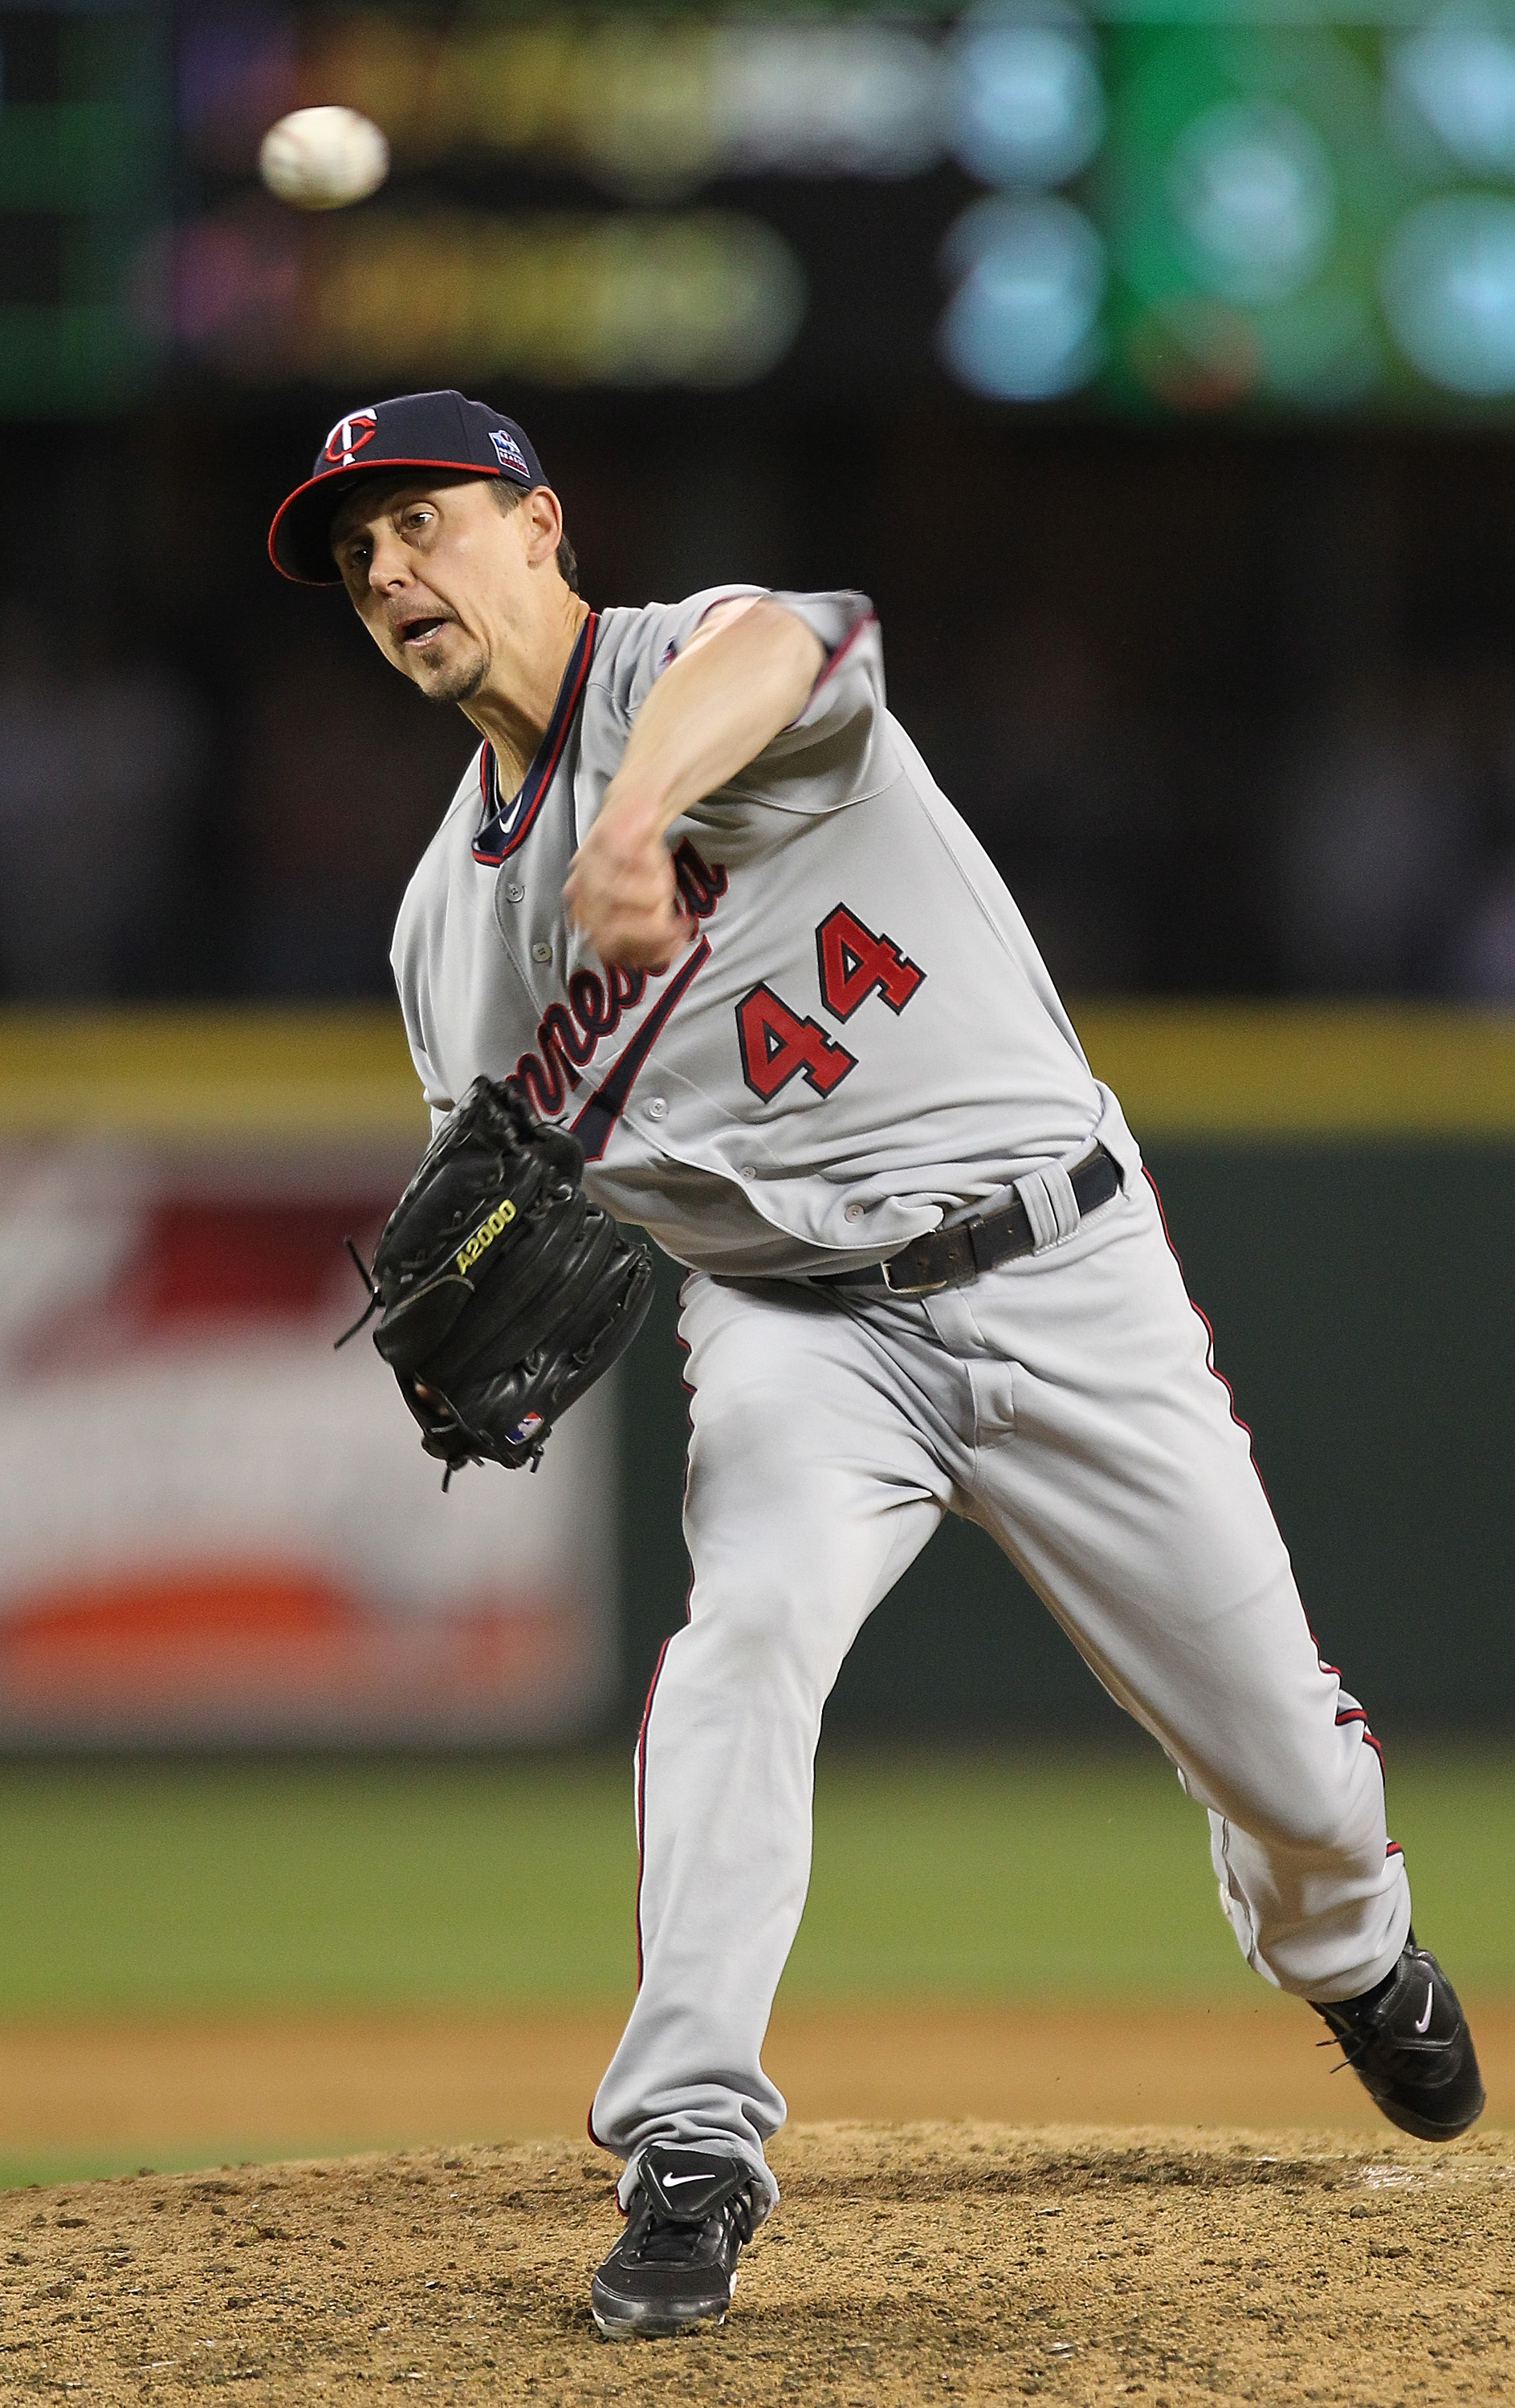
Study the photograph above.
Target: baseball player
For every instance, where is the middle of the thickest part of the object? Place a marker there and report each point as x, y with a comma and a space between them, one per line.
698, 901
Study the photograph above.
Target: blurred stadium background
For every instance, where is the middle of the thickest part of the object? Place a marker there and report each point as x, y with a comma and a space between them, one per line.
1153, 366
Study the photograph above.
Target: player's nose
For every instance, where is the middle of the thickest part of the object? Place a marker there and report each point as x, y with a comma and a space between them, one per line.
388, 569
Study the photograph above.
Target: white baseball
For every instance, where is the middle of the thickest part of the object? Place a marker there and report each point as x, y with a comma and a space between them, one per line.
323, 158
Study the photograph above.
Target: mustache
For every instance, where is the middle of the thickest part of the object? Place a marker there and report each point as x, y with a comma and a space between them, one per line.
411, 613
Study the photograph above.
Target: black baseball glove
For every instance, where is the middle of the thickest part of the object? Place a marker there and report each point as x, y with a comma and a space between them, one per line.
504, 1292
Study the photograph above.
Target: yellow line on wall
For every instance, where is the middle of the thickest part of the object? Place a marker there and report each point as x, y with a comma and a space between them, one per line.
249, 1070
1216, 1071
1306, 1070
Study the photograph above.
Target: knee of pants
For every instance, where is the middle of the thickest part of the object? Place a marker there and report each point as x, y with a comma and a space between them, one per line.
1305, 1812
768, 1644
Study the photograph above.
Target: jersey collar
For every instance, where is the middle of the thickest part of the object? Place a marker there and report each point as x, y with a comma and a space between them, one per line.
504, 826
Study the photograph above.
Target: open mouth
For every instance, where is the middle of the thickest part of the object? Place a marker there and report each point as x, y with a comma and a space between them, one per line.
415, 633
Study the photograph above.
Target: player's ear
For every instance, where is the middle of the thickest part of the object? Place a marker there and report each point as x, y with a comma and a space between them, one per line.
544, 523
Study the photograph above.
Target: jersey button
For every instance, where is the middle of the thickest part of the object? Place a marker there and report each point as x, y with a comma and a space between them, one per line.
655, 1108
542, 952
856, 1211
749, 1170
515, 893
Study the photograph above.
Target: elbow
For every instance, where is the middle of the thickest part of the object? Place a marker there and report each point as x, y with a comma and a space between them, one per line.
795, 647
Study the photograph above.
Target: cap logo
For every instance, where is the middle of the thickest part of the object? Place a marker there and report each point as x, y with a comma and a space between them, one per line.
508, 451
348, 436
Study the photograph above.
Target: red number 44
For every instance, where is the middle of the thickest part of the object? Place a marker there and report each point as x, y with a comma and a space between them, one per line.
855, 963
778, 1045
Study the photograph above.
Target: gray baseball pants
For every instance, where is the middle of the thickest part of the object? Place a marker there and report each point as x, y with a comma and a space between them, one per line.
1066, 1403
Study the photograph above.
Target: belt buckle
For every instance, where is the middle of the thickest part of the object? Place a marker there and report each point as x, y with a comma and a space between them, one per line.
922, 1287
960, 1274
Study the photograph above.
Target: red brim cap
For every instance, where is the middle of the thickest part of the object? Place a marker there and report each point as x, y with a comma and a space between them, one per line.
414, 430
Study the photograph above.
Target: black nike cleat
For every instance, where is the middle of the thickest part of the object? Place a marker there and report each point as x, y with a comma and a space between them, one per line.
675, 2263
1409, 2043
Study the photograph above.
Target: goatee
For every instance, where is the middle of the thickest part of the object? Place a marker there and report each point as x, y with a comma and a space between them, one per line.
460, 684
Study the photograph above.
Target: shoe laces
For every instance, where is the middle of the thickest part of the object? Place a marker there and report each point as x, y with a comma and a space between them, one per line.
1353, 2045
1371, 2026
667, 2242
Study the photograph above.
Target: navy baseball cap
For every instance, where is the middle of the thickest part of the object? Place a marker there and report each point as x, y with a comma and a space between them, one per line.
416, 430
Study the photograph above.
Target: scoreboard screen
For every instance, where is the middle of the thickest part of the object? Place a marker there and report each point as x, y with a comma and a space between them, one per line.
1168, 206
86, 156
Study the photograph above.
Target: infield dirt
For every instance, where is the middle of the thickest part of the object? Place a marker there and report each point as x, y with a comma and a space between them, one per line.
952, 2262
91, 2096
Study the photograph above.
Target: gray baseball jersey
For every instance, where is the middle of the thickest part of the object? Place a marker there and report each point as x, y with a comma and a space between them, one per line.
861, 1039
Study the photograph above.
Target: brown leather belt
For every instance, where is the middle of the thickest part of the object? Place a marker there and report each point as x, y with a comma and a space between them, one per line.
951, 1257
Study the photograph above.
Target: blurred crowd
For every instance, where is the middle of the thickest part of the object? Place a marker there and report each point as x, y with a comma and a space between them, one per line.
1233, 715
1365, 846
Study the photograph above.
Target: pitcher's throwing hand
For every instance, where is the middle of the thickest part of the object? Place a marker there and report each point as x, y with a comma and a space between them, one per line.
621, 895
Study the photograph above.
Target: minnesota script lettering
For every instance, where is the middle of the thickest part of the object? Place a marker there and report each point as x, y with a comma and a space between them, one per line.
569, 1035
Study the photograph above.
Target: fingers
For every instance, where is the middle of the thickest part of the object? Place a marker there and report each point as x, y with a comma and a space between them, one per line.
623, 901
634, 941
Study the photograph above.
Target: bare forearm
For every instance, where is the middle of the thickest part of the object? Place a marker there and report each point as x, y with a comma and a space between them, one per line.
709, 713
713, 709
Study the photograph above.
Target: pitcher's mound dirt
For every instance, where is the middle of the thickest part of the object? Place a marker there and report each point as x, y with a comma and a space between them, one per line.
946, 2263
